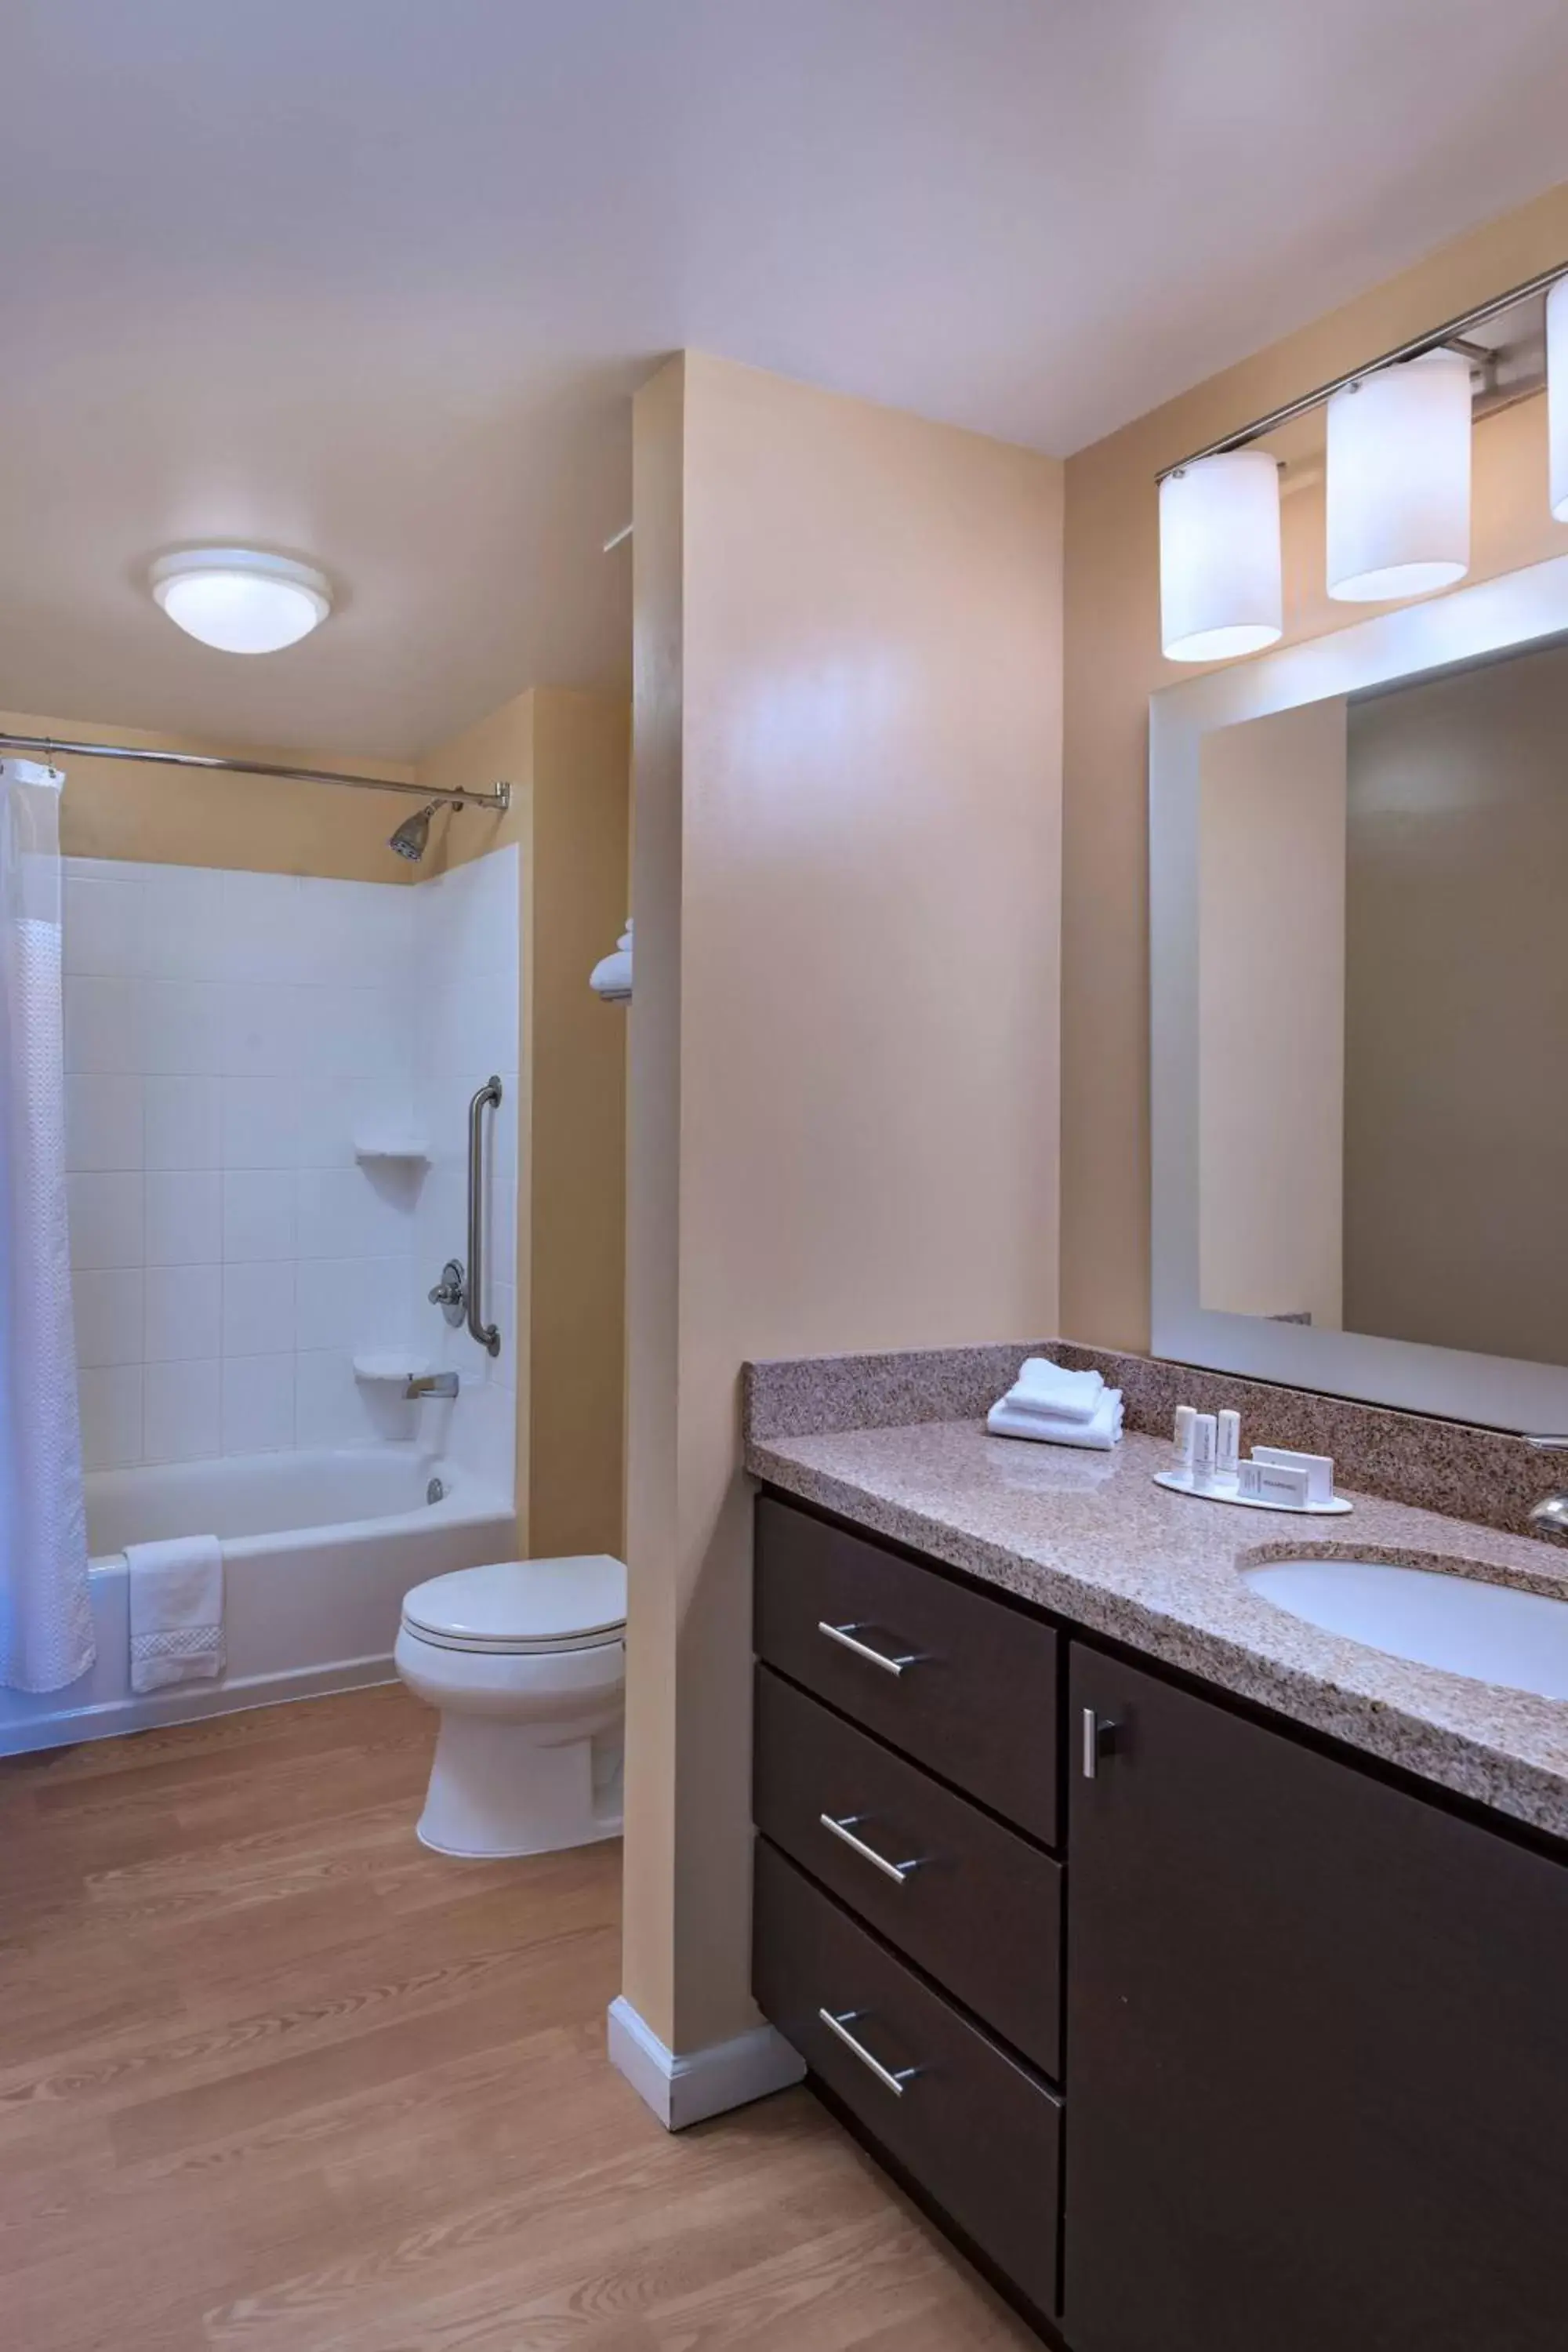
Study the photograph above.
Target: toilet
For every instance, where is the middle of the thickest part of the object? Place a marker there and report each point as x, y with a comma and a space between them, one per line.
525, 1661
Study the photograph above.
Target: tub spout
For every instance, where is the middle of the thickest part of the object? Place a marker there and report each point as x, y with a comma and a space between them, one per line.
432, 1384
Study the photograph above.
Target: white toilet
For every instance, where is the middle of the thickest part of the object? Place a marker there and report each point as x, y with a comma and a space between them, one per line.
526, 1660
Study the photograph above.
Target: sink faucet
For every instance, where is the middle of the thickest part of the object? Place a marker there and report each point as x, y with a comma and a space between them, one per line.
1549, 1516
431, 1384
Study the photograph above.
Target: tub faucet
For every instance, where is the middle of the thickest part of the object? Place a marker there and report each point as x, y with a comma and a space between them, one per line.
431, 1384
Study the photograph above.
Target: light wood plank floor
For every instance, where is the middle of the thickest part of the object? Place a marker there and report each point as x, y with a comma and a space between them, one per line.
273, 2076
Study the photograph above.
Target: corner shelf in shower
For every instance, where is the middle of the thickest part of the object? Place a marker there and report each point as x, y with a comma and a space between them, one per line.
412, 1150
392, 1367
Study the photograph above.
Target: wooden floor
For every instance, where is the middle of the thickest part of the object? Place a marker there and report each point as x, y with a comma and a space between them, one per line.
273, 2076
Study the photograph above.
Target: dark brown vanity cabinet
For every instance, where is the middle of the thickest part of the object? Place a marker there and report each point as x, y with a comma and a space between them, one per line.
908, 1921
950, 1674
1317, 2034
1300, 2083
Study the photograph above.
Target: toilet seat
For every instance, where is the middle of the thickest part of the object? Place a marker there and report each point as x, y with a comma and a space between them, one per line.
521, 1608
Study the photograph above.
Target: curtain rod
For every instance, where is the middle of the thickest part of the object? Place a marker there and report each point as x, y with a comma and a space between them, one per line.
499, 797
1435, 340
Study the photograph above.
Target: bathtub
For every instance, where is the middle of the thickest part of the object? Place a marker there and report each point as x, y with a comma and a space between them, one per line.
318, 1551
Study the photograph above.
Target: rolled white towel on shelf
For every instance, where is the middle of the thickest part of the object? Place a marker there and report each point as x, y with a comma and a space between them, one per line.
176, 1612
1099, 1433
1050, 1390
611, 977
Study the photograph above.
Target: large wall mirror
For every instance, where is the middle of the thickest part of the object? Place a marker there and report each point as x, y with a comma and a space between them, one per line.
1359, 863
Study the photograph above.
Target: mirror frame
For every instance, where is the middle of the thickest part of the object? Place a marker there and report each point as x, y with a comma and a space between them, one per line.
1465, 625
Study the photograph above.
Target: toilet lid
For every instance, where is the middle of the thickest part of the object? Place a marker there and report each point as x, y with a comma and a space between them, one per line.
519, 1605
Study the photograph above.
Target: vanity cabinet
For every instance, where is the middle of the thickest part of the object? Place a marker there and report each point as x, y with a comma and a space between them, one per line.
1317, 2035
972, 1902
979, 2133
1300, 2080
908, 1918
957, 1679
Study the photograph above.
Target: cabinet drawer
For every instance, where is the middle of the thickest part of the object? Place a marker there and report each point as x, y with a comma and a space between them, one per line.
973, 1903
977, 2132
966, 1684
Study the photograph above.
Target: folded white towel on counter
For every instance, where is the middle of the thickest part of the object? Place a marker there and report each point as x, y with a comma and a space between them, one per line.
1101, 1431
1046, 1387
176, 1612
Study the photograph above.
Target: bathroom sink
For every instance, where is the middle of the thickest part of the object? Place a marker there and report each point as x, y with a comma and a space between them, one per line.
1493, 1632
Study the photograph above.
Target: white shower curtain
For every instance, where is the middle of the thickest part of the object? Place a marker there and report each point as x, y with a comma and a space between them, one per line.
46, 1623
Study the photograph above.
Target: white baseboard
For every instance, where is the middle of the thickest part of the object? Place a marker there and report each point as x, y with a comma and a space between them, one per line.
701, 2082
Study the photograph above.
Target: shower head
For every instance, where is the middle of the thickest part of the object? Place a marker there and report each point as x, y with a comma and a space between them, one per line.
413, 835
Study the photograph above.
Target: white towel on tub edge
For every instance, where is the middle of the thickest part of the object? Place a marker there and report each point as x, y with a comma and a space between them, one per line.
176, 1612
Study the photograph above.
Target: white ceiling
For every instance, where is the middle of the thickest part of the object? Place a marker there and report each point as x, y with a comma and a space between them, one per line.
370, 280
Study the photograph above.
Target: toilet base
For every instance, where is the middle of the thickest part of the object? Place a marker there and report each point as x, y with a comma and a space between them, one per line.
496, 1794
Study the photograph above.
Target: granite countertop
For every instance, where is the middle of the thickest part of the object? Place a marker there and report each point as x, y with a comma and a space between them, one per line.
1090, 1537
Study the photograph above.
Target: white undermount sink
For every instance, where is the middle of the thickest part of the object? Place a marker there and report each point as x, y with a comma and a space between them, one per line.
1493, 1632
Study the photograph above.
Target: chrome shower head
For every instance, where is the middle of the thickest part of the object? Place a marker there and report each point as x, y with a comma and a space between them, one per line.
412, 836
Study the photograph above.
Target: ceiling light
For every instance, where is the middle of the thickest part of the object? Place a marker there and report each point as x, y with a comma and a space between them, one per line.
240, 602
1557, 394
1399, 479
1220, 590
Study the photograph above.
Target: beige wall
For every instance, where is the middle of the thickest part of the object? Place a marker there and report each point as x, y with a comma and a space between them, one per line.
844, 1052
1271, 1015
1113, 663
1456, 1125
173, 816
568, 757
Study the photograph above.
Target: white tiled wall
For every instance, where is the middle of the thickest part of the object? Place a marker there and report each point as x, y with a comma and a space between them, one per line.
467, 1030
228, 1034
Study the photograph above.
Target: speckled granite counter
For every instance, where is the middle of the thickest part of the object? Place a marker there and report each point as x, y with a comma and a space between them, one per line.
1089, 1537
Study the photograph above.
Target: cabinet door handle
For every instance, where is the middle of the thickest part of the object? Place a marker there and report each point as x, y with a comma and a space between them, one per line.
893, 2079
845, 1636
845, 1826
1098, 1739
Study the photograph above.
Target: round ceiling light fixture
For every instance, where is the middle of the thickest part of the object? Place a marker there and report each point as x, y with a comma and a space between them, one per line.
239, 601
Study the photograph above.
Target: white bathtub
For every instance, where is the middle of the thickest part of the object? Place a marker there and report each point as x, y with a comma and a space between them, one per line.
318, 1551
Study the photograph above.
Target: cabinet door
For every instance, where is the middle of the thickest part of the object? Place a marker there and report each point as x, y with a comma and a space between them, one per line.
1317, 2053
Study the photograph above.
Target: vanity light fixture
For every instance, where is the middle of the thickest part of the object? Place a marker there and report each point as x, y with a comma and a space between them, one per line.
1557, 394
1220, 572
239, 601
1398, 477
1399, 480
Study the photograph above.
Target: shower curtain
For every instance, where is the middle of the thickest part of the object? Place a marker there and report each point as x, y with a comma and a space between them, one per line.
46, 1623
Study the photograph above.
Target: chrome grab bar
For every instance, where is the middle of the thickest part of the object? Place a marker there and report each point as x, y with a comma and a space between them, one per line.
485, 1334
893, 2078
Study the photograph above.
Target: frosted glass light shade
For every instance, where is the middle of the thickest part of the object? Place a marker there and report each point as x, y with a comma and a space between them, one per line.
238, 601
1399, 480
1220, 591
1557, 394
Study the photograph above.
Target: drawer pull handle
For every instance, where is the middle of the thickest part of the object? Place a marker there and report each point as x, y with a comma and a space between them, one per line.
893, 2079
845, 1827
845, 1636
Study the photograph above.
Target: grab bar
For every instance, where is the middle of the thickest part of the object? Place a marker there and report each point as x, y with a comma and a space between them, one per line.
485, 1334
